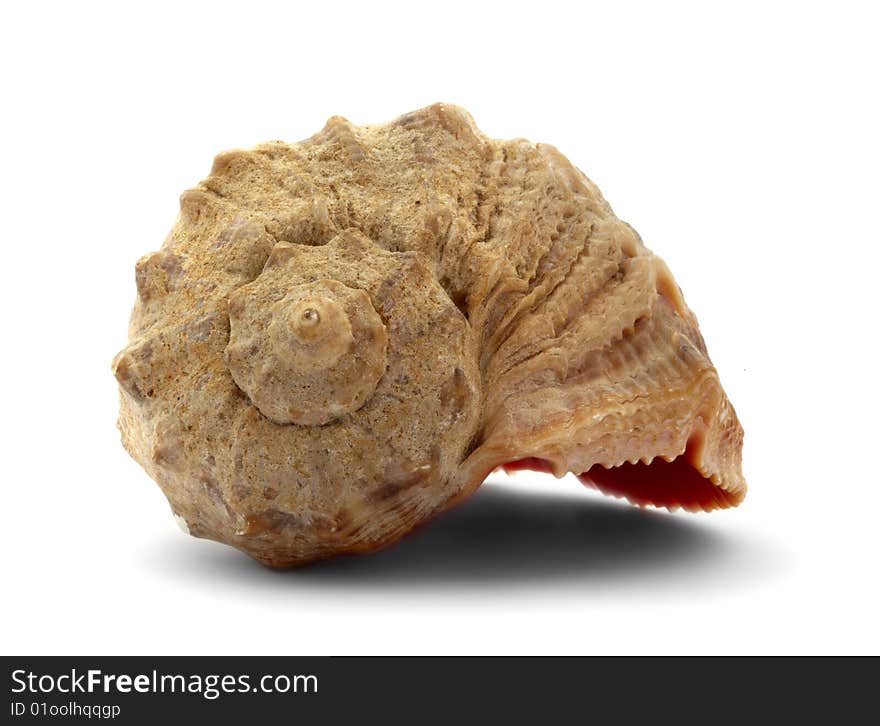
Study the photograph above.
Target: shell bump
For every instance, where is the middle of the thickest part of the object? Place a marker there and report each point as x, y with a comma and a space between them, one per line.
343, 337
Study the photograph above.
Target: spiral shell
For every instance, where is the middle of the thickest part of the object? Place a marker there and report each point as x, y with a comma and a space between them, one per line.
342, 337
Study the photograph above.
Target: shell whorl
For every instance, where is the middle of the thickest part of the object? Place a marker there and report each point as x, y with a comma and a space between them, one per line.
312, 356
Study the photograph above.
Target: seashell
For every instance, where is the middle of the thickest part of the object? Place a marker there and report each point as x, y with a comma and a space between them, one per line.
343, 337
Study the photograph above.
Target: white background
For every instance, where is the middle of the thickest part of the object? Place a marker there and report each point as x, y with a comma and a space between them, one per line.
742, 143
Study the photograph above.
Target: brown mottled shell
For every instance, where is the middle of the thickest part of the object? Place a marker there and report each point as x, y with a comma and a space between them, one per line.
342, 337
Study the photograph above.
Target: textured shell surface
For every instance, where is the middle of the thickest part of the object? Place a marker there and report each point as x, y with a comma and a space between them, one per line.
340, 338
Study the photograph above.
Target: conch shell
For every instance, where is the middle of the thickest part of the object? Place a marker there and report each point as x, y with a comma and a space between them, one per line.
343, 337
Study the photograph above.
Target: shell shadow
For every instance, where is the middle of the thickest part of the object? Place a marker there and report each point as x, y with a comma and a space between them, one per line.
503, 536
